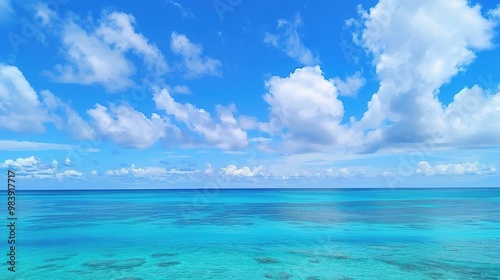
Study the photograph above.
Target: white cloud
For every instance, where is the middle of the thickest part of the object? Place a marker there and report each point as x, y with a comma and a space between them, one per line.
351, 85
223, 133
92, 61
23, 110
20, 108
244, 171
117, 30
495, 12
306, 105
67, 162
93, 172
193, 61
416, 51
74, 124
30, 167
469, 118
69, 174
252, 123
22, 164
185, 12
466, 168
289, 41
417, 47
44, 14
208, 170
342, 172
152, 173
128, 127
98, 56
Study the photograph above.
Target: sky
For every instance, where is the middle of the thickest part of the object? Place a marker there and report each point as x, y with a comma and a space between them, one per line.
250, 94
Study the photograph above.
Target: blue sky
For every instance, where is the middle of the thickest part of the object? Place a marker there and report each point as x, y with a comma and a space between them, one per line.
229, 94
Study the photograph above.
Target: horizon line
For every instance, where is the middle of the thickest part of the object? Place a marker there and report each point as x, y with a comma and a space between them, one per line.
300, 188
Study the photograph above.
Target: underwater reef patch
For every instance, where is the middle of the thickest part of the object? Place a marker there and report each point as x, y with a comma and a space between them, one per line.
167, 264
267, 260
278, 276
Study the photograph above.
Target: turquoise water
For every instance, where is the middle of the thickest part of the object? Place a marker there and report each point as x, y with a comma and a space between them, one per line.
258, 234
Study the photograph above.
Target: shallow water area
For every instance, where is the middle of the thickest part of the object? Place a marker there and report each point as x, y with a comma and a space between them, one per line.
259, 234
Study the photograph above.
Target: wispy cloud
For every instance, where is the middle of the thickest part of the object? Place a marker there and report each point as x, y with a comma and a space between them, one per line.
351, 85
193, 62
289, 41
181, 89
99, 56
128, 127
185, 12
14, 145
6, 11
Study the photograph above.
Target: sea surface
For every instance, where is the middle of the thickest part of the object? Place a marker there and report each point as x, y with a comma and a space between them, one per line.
257, 234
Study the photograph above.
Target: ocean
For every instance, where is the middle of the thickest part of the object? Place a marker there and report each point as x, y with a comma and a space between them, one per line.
257, 234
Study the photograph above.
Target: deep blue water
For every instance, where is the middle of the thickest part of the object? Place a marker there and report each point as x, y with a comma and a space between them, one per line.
258, 234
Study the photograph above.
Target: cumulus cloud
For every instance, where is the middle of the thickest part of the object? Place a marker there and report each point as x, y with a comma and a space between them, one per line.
466, 168
126, 126
30, 167
412, 65
469, 117
193, 62
305, 108
245, 171
23, 110
416, 50
99, 56
91, 61
223, 132
69, 174
152, 172
411, 62
21, 164
342, 172
289, 41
